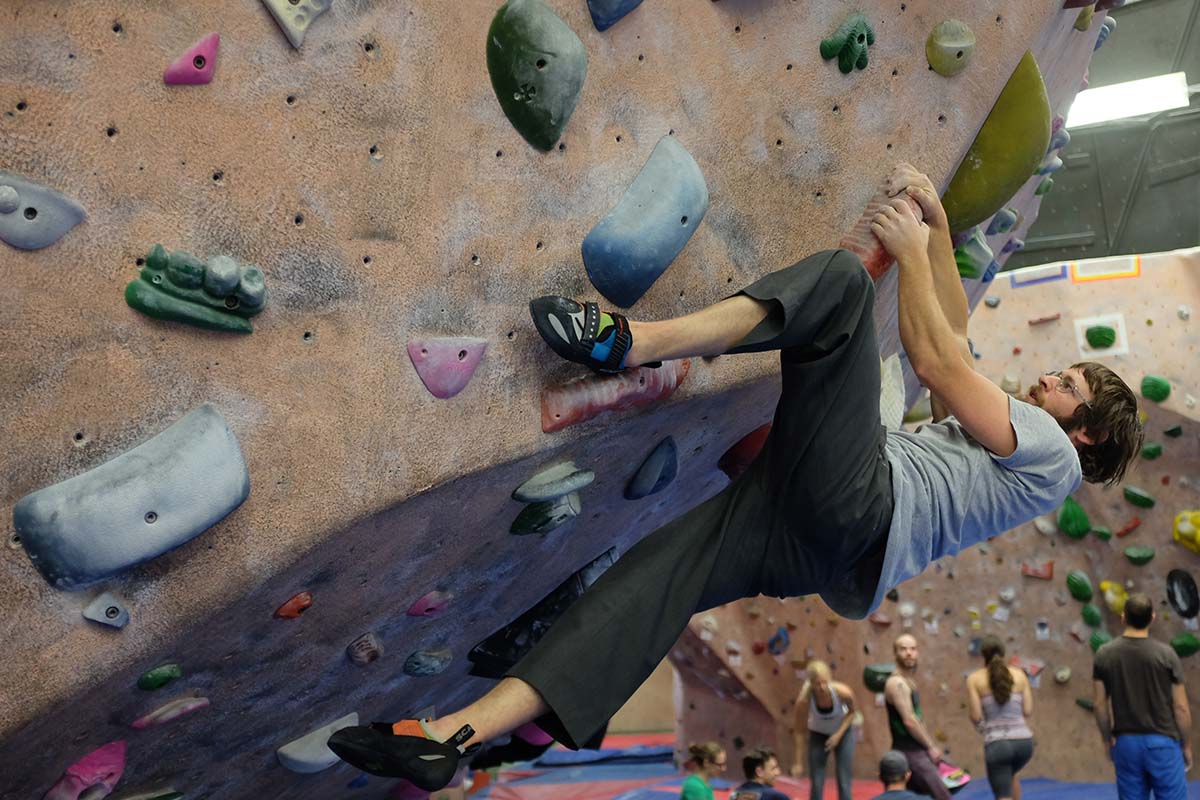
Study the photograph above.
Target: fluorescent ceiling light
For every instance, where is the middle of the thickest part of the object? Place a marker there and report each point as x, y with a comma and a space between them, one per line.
1129, 99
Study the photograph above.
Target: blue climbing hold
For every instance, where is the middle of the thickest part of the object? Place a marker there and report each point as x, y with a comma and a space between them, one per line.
1051, 163
1106, 29
358, 782
1059, 139
656, 472
989, 274
779, 643
424, 663
1003, 222
632, 246
33, 216
1012, 245
973, 256
606, 13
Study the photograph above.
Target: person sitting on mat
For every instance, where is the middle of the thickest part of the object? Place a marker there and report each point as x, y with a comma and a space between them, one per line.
835, 504
709, 761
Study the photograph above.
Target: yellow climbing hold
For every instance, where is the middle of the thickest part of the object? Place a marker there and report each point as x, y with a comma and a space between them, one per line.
1115, 596
1186, 530
949, 47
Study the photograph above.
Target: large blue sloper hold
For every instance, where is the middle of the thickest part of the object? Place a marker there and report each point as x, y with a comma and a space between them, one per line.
655, 218
606, 13
146, 501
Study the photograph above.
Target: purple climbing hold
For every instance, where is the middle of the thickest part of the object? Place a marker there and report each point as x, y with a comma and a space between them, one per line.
1012, 245
656, 472
989, 274
445, 366
93, 776
196, 65
431, 604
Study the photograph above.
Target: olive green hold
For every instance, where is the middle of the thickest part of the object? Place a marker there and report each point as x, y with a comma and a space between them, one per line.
1155, 388
875, 676
219, 295
1085, 703
1073, 520
1175, 431
849, 43
1139, 555
1152, 450
1185, 644
159, 677
950, 47
1103, 534
1099, 639
1091, 615
1079, 585
1084, 20
1100, 336
1139, 497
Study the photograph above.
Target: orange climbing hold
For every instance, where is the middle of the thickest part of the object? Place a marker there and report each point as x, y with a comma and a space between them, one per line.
1128, 528
1044, 570
295, 606
738, 458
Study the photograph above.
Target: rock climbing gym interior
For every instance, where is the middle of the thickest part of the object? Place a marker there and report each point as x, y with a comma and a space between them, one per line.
598, 399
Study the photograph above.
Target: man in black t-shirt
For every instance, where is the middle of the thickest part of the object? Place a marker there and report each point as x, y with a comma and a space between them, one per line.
1146, 735
761, 768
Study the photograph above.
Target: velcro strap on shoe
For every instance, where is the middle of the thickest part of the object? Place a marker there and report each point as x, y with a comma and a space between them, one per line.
464, 734
591, 324
622, 341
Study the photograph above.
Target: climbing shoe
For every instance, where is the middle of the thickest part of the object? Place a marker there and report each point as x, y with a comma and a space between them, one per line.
580, 332
403, 750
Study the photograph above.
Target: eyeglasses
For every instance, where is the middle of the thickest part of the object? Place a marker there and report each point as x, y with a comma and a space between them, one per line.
1066, 385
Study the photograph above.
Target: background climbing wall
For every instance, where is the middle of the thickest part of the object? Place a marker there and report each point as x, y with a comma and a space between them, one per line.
1147, 291
374, 179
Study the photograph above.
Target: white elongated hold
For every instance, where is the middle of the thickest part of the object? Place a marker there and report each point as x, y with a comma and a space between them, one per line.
310, 753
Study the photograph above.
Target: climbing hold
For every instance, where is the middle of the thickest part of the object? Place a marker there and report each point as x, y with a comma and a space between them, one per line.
1139, 555
294, 16
364, 650
849, 43
738, 458
991, 301
1115, 596
1102, 533
430, 605
362, 780
1182, 593
1012, 246
1186, 530
606, 13
1185, 644
1003, 221
949, 48
93, 777
1048, 318
1079, 585
108, 609
546, 516
1091, 615
554, 482
310, 753
758, 648
583, 399
875, 676
1011, 384
33, 216
1062, 675
862, 241
1106, 28
1099, 638
295, 606
1073, 520
1174, 431
1043, 570
1050, 164
1008, 594
1152, 450
1084, 20
1100, 336
1184, 312
1005, 152
159, 677
170, 711
656, 472
780, 642
879, 618
1139, 497
1045, 524
162, 793
446, 365
424, 663
1128, 527
635, 243
1046, 184
973, 255
1155, 388
1085, 703
1060, 138
538, 65
221, 295
196, 65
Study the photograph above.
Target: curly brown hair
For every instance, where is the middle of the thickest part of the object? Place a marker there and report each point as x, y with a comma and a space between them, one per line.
1112, 421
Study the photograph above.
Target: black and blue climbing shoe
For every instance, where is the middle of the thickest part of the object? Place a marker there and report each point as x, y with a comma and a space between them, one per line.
580, 332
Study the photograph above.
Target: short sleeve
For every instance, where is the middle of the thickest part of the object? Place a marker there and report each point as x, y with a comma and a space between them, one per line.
1098, 671
1043, 449
1175, 665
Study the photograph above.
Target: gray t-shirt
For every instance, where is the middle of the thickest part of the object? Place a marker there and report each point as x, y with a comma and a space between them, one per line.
1138, 675
950, 492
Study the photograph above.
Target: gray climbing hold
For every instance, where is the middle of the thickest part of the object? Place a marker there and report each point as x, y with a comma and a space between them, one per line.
1003, 222
1106, 29
1059, 139
108, 609
554, 482
310, 753
656, 472
1050, 164
139, 505
424, 663
636, 242
606, 13
545, 517
33, 216
294, 16
991, 301
973, 256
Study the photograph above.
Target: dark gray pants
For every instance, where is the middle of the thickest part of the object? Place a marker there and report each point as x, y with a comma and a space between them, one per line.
805, 517
925, 777
1004, 759
818, 758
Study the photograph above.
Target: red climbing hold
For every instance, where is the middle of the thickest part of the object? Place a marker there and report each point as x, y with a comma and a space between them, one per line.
738, 458
294, 607
430, 605
1048, 318
879, 618
1166, 480
1016, 351
1044, 570
1128, 528
445, 366
861, 240
196, 65
759, 648
581, 400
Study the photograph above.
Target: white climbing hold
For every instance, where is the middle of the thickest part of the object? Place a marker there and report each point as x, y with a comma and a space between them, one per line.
1185, 312
1008, 594
10, 201
1045, 525
294, 16
108, 609
1010, 384
310, 753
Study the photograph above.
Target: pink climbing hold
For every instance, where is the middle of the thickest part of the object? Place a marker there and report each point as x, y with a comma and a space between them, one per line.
102, 767
581, 400
445, 366
530, 732
196, 65
430, 605
861, 240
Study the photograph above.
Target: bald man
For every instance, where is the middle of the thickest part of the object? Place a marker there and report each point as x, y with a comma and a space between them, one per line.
909, 735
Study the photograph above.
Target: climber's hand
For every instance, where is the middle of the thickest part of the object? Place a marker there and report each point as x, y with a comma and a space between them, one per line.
898, 228
905, 179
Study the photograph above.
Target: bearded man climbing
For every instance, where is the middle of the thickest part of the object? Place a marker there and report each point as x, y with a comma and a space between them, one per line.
834, 505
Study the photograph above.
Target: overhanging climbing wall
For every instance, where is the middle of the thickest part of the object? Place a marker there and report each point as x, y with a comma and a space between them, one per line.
379, 211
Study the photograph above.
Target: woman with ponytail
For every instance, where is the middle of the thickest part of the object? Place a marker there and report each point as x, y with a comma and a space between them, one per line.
1000, 700
708, 761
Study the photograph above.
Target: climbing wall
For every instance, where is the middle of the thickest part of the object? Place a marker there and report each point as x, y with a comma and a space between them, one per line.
1149, 300
385, 224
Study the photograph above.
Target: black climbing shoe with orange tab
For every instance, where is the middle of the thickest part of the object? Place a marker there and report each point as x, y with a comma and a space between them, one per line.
403, 750
580, 332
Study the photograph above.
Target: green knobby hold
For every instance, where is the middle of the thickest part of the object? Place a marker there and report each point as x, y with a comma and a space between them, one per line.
1175, 431
1139, 497
538, 66
1139, 555
1155, 388
219, 295
1151, 450
1100, 336
849, 43
1079, 585
1091, 615
159, 677
1044, 187
1085, 703
1099, 638
1103, 534
1185, 644
950, 47
1073, 520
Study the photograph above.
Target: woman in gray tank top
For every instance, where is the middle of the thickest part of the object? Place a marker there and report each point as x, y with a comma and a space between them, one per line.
831, 712
1000, 700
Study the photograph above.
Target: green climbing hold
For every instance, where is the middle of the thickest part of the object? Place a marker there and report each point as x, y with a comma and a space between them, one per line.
1155, 388
1084, 20
949, 47
1139, 497
1079, 585
538, 66
1099, 638
546, 516
220, 295
1073, 520
159, 677
1185, 644
1103, 534
1091, 615
1139, 555
1085, 703
973, 257
1100, 336
1044, 187
1008, 149
1152, 450
875, 676
849, 43
1174, 431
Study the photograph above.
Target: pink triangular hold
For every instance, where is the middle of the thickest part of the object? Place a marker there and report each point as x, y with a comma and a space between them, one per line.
102, 767
197, 64
445, 366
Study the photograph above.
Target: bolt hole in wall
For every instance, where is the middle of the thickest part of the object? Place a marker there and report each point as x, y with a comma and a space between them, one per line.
291, 99
476, 260
151, 517
22, 105
366, 260
298, 220
218, 177
110, 131
307, 336
539, 246
30, 213
117, 28
198, 62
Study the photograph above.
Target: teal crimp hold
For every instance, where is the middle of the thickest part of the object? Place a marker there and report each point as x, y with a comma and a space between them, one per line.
973, 255
849, 43
220, 295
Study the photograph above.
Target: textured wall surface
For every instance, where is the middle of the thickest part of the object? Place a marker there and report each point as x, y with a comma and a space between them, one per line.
373, 178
